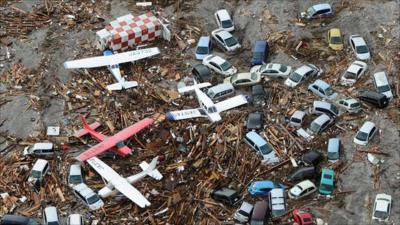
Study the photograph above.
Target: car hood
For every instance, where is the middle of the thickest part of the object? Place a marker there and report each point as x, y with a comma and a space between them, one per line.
290, 83
363, 56
200, 56
255, 68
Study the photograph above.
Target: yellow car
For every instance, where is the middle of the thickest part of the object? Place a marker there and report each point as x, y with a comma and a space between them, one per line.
335, 39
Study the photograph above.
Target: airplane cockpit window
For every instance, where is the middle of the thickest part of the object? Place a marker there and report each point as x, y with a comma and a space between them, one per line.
114, 66
212, 109
120, 144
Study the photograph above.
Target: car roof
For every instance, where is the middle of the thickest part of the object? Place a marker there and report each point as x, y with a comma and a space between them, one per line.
263, 184
303, 69
335, 32
322, 104
51, 213
382, 202
322, 84
75, 218
84, 190
75, 169
14, 220
333, 144
223, 34
258, 90
372, 94
202, 69
306, 184
367, 126
353, 68
380, 78
299, 114
358, 40
223, 14
256, 138
43, 145
226, 191
275, 66
322, 6
350, 100
247, 207
259, 46
40, 164
326, 171
243, 75
259, 211
221, 87
321, 119
204, 41
217, 59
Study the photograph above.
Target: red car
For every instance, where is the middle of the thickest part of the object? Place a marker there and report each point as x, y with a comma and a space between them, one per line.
302, 217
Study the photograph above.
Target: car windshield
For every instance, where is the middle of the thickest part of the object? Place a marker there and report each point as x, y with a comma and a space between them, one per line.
75, 179
314, 127
329, 91
226, 23
93, 199
333, 155
362, 49
334, 109
310, 11
326, 187
295, 77
383, 88
295, 120
253, 76
231, 41
244, 213
283, 68
381, 214
350, 75
355, 105
336, 40
265, 149
226, 66
36, 174
362, 136
202, 50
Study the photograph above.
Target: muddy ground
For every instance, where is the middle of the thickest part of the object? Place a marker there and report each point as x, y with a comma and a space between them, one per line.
38, 100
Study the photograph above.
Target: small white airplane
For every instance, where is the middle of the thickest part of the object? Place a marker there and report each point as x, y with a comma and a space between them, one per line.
117, 183
207, 107
112, 62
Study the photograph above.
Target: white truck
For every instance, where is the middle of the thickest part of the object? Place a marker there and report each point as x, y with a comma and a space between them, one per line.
129, 30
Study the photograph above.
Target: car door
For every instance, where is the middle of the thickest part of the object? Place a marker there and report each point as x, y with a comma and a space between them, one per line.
352, 44
215, 67
358, 73
371, 133
220, 41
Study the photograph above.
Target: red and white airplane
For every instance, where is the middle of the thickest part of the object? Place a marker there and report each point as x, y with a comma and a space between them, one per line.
115, 143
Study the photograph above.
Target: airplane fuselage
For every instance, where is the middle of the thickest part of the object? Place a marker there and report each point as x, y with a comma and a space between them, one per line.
207, 105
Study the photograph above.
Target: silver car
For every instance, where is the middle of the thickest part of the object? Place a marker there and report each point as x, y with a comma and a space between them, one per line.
219, 65
382, 207
225, 40
301, 74
88, 196
243, 213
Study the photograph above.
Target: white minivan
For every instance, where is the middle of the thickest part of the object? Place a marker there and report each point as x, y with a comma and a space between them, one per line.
382, 84
43, 149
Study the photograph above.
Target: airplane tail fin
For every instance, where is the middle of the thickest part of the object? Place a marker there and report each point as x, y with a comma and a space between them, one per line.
86, 128
150, 169
122, 85
193, 87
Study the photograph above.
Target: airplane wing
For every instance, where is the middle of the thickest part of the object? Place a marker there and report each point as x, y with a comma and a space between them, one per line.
111, 141
230, 103
119, 183
185, 114
118, 58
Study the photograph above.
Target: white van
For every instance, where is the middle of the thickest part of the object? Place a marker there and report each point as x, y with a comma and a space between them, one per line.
220, 91
43, 149
39, 170
382, 84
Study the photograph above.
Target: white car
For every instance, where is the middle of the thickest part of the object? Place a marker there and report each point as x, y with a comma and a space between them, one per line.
225, 40
382, 207
365, 133
301, 74
244, 212
75, 219
224, 20
219, 65
88, 196
359, 47
382, 84
243, 79
302, 189
350, 105
50, 216
272, 70
353, 73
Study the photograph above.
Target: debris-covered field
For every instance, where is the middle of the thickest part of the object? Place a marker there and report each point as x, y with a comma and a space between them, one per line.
36, 91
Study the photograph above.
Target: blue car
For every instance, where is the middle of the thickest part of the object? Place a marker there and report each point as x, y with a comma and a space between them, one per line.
322, 89
261, 188
260, 53
203, 48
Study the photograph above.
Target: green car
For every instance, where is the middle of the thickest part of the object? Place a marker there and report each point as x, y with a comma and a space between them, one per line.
326, 185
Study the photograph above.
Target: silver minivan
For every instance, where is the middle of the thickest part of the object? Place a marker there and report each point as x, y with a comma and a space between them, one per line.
43, 149
75, 176
382, 84
220, 91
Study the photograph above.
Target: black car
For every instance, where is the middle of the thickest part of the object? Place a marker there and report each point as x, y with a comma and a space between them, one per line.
201, 73
254, 121
225, 195
311, 158
302, 173
17, 220
377, 99
258, 95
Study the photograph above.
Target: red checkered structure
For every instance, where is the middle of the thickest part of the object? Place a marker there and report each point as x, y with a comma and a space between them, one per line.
127, 31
